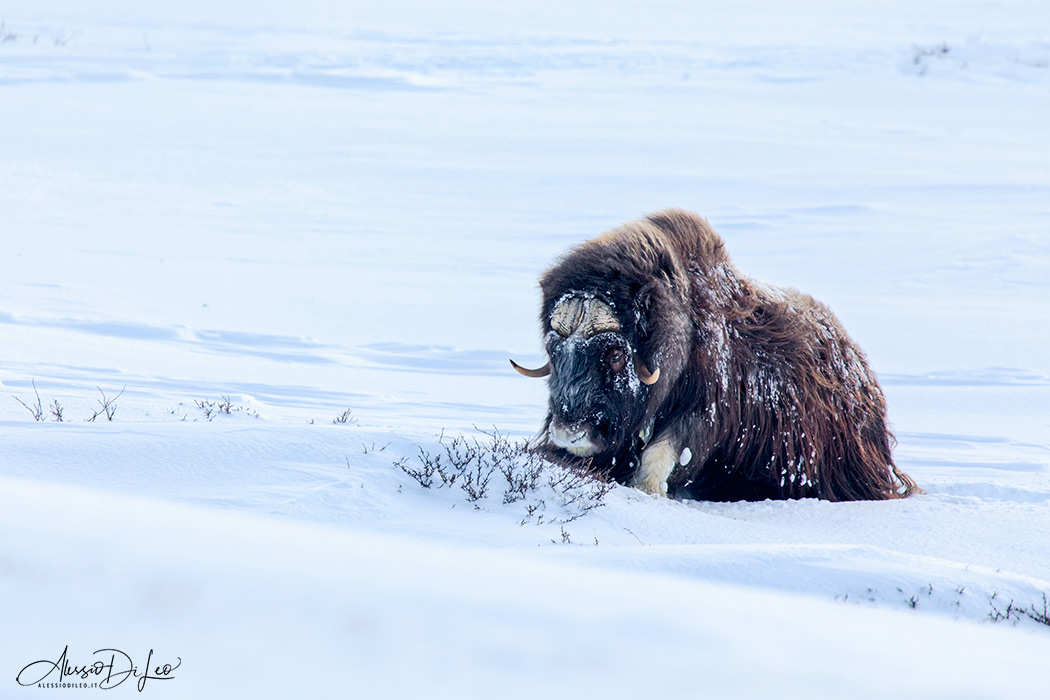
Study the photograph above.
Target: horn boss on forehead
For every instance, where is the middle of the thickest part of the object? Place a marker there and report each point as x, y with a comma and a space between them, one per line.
567, 316
755, 392
589, 316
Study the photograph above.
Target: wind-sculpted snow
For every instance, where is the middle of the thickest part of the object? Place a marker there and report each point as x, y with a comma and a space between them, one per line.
293, 244
327, 609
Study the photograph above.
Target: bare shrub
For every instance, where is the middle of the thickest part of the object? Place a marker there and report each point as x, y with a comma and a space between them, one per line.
1010, 613
1015, 613
424, 475
345, 418
1043, 618
580, 491
107, 406
207, 407
37, 409
224, 406
528, 479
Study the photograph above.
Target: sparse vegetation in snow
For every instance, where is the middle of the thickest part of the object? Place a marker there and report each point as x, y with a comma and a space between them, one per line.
107, 406
36, 409
547, 492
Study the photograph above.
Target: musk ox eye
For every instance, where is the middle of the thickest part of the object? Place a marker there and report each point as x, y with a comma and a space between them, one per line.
616, 360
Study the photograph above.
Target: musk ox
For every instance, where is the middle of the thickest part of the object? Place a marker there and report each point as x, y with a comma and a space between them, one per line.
671, 371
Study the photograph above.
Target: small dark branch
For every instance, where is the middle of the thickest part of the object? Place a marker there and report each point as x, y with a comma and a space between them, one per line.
1043, 618
432, 465
921, 53
56, 410
520, 468
372, 448
207, 407
460, 452
475, 482
565, 539
581, 490
531, 510
107, 406
225, 404
423, 475
37, 409
1010, 613
635, 536
522, 477
344, 418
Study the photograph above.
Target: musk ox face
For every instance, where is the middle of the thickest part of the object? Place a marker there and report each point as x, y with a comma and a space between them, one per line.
598, 386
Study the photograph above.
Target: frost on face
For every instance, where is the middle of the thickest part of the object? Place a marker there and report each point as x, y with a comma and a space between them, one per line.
578, 306
627, 381
585, 297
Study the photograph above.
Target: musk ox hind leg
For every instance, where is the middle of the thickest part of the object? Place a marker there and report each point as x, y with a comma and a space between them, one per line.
659, 459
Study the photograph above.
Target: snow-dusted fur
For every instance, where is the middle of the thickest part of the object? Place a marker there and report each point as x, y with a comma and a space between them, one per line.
762, 385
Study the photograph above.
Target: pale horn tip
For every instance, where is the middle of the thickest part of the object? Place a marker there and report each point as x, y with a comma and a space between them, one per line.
646, 377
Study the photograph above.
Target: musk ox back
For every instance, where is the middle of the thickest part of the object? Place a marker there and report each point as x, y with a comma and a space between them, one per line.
671, 371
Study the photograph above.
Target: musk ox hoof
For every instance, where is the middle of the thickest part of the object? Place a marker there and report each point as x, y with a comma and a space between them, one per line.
651, 486
658, 460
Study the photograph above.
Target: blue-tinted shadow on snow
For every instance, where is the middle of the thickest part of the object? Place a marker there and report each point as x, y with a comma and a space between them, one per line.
271, 347
435, 359
988, 376
389, 356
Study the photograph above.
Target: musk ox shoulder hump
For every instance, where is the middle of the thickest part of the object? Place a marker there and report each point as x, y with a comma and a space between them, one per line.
663, 242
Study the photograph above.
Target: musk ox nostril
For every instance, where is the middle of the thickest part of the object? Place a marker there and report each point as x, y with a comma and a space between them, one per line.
573, 437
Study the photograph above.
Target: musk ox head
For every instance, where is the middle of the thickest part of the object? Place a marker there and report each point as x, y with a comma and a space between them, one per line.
616, 326
598, 381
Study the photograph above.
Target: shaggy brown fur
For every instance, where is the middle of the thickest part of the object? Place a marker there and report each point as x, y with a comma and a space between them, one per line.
760, 389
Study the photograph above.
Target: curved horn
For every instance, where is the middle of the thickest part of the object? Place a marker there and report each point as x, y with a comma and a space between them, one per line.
643, 372
541, 372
